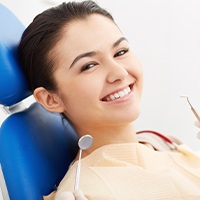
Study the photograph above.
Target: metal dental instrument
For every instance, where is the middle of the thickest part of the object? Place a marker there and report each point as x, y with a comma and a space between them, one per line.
85, 142
193, 110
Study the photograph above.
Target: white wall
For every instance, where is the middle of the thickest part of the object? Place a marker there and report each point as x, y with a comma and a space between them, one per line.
165, 35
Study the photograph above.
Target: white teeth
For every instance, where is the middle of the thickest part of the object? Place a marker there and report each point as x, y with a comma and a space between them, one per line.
125, 91
116, 95
112, 97
129, 89
119, 94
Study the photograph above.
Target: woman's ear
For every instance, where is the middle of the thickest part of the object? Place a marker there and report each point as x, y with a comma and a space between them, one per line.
48, 99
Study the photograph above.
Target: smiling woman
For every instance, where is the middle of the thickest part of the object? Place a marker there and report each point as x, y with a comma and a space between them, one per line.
79, 63
98, 69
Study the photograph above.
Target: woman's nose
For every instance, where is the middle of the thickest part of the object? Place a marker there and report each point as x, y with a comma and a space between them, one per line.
116, 72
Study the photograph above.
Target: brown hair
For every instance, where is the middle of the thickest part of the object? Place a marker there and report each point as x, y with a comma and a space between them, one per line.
43, 33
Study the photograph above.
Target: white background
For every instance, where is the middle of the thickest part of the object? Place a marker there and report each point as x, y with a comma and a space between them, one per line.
165, 35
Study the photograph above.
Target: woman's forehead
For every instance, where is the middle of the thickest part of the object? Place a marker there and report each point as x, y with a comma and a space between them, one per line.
93, 33
94, 25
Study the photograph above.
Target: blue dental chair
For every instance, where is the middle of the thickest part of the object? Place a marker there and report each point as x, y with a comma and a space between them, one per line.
36, 146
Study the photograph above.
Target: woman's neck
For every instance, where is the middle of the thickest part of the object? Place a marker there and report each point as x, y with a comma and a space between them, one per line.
110, 135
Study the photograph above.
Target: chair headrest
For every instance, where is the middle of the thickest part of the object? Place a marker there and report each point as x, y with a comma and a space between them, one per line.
13, 85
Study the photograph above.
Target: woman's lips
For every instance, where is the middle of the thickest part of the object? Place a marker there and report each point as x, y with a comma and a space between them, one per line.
119, 94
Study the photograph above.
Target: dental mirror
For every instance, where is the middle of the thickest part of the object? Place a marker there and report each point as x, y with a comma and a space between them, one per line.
84, 143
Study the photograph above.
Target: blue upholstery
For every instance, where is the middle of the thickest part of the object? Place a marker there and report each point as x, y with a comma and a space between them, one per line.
13, 87
36, 146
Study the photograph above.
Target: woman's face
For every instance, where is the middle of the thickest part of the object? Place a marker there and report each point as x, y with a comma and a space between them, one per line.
99, 78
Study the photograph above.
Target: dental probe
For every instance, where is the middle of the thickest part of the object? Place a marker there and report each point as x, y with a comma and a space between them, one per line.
193, 110
84, 143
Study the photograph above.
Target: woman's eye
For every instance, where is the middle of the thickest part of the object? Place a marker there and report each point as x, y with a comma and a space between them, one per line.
87, 67
121, 52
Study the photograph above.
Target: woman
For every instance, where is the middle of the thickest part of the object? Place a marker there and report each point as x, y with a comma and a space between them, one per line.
79, 63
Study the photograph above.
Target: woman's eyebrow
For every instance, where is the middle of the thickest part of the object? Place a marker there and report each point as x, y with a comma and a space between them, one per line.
88, 54
92, 53
119, 41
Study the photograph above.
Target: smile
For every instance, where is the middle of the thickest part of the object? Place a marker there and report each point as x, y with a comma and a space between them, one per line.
118, 95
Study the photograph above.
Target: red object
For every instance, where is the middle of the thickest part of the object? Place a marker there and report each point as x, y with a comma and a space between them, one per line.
156, 133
